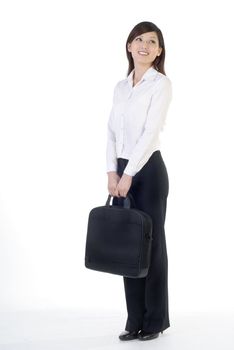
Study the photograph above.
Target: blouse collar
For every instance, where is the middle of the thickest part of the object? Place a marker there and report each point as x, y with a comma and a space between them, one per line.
148, 75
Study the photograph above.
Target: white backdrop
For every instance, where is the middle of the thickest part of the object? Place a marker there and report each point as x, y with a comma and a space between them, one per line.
59, 63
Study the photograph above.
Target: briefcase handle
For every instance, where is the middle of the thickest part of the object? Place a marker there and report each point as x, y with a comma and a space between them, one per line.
126, 201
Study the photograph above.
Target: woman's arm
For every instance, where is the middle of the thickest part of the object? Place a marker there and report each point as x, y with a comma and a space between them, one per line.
155, 120
111, 156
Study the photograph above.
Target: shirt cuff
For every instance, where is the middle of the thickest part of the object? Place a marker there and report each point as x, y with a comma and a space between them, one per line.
111, 169
130, 171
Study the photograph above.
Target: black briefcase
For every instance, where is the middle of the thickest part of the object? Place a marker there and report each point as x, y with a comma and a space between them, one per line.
119, 239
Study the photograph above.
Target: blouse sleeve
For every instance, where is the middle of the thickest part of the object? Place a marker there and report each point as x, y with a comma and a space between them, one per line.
111, 155
156, 116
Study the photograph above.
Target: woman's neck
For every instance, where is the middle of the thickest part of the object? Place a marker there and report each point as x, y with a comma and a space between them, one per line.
138, 73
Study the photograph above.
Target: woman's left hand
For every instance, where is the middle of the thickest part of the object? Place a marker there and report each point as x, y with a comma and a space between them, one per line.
123, 186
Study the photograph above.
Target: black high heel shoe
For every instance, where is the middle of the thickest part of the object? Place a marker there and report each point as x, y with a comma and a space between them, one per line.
126, 335
143, 335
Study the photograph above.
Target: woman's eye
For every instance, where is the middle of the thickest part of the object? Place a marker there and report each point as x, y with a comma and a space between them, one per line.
153, 41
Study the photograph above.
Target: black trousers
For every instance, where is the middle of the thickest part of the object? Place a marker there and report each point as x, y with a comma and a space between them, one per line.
147, 298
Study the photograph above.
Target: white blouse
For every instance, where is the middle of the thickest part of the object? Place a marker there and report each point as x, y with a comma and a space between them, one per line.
137, 116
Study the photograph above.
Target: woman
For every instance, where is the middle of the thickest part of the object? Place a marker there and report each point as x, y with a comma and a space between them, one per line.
135, 165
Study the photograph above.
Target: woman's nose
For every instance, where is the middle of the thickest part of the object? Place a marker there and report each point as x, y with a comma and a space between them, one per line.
144, 43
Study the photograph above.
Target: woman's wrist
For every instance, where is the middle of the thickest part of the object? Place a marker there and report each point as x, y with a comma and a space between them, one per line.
112, 173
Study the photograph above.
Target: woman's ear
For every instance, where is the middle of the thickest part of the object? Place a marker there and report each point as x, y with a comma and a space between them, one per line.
160, 51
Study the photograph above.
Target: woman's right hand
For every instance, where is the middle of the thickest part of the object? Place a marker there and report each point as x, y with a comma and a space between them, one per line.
113, 180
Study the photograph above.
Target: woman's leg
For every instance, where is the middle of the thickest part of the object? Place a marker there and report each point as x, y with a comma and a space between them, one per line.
135, 292
147, 298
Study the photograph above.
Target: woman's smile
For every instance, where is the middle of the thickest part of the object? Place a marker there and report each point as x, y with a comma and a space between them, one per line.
143, 53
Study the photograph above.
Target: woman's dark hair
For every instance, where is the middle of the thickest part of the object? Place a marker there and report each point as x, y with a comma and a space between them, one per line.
144, 27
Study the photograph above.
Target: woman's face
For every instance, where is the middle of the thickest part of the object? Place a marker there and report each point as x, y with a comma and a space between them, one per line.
145, 48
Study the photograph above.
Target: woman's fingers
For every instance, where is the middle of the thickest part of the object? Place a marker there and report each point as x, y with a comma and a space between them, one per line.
117, 193
112, 188
119, 188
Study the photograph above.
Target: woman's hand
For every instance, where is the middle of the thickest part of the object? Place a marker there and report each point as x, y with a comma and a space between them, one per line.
113, 179
123, 186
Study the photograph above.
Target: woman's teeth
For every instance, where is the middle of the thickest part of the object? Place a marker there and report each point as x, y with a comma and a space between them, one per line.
143, 53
